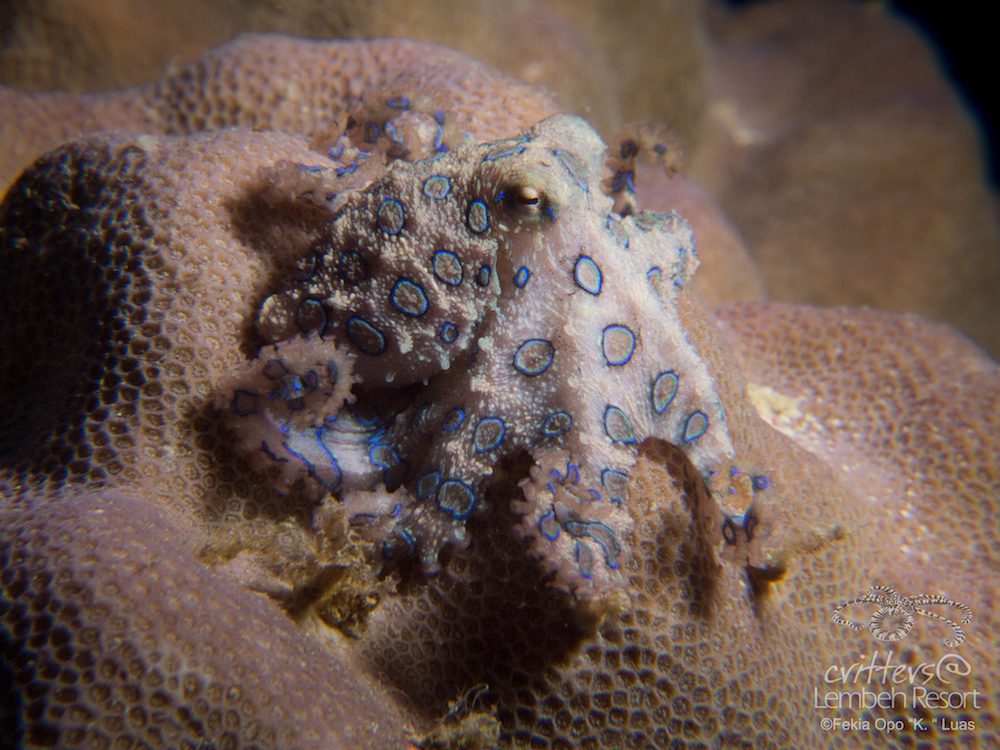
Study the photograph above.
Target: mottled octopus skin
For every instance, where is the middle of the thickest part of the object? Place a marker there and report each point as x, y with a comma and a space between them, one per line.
498, 281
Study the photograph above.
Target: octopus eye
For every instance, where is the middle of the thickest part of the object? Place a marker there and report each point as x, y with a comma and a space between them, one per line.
527, 196
524, 199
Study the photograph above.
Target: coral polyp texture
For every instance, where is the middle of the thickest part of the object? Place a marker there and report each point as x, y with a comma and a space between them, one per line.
351, 398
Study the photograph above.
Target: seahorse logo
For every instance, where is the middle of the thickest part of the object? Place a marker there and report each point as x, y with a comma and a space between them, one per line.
897, 614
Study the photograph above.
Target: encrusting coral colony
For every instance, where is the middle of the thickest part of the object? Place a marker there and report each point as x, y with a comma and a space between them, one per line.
357, 395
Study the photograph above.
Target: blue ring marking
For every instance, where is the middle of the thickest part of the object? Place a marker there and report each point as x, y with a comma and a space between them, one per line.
571, 163
456, 498
599, 533
366, 338
521, 277
489, 434
365, 413
314, 474
447, 267
408, 298
427, 484
335, 152
453, 419
549, 526
557, 423
616, 483
266, 450
383, 456
533, 357
477, 216
483, 276
617, 426
587, 275
391, 217
371, 132
295, 388
349, 169
574, 470
448, 333
621, 357
398, 102
439, 116
407, 537
760, 482
311, 468
275, 369
437, 187
311, 168
664, 390
618, 231
584, 560
244, 403
307, 315
623, 179
503, 152
694, 426
390, 130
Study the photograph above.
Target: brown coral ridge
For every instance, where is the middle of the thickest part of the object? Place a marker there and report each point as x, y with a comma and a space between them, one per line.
592, 55
882, 469
123, 636
839, 147
271, 82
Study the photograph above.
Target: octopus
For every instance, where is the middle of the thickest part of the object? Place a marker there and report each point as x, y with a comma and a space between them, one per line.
895, 616
506, 306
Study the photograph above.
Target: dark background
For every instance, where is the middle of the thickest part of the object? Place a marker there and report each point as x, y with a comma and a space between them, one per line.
964, 35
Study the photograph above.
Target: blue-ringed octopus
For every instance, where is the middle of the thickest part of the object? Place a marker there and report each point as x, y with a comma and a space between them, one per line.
482, 301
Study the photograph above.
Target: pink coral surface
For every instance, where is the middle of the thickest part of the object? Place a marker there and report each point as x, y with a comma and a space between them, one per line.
159, 591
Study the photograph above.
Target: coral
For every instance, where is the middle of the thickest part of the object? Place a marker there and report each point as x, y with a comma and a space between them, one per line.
147, 277
843, 154
243, 84
591, 55
125, 637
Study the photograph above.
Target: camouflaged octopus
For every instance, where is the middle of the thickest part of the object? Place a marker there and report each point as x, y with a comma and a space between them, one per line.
490, 300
